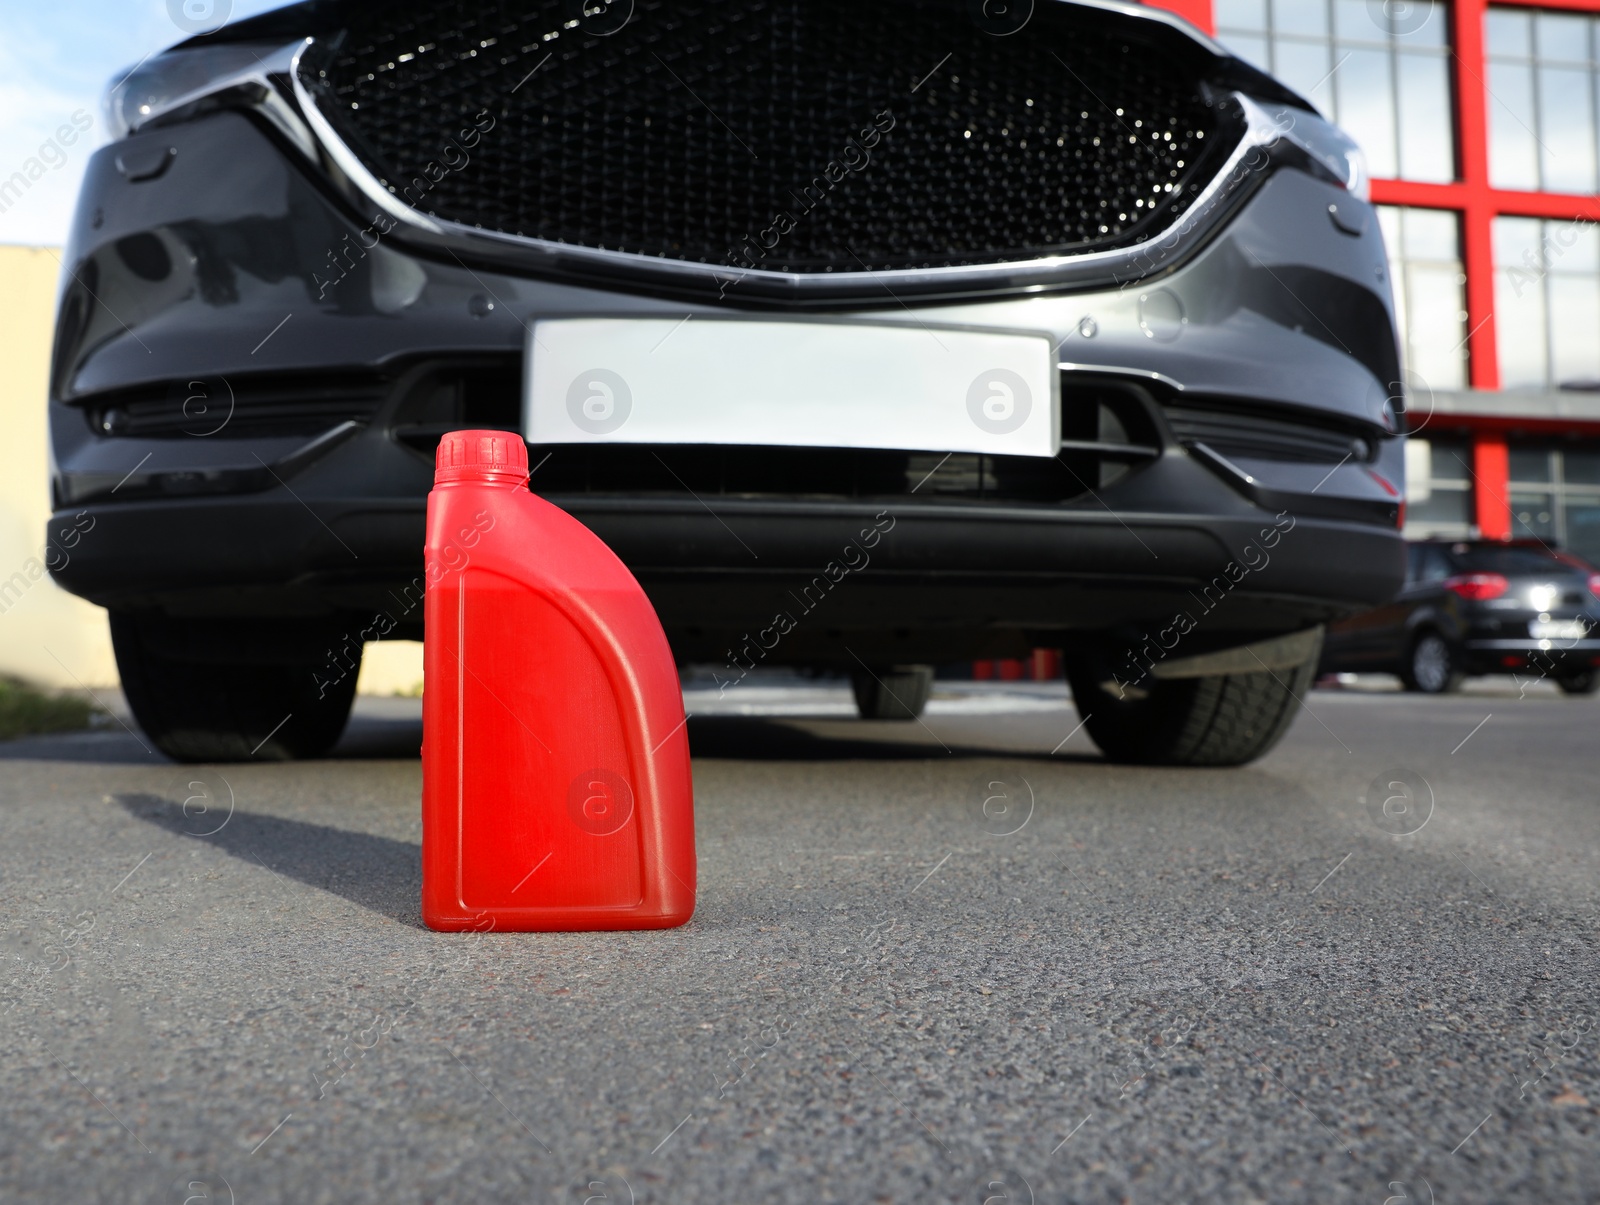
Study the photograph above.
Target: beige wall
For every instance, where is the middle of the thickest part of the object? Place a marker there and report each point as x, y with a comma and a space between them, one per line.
47, 635
391, 667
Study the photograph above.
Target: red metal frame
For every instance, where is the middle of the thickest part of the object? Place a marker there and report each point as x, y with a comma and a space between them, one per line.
1472, 196
1475, 200
1491, 480
1479, 203
1196, 12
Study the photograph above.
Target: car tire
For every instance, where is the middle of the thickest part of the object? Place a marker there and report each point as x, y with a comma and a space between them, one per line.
1219, 720
899, 692
230, 691
1583, 682
1431, 667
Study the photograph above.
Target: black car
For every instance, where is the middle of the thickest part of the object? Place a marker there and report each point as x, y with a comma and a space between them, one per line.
871, 334
1480, 607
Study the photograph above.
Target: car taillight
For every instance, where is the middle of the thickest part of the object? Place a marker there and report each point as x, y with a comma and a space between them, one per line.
1594, 584
1478, 587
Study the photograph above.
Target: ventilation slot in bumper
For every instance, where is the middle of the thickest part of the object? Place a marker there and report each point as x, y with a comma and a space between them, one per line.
1239, 433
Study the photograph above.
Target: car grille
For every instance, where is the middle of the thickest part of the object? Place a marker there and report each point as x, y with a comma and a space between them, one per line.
686, 134
1248, 434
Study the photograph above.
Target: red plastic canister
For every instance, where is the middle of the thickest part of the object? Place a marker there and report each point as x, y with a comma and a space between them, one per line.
556, 790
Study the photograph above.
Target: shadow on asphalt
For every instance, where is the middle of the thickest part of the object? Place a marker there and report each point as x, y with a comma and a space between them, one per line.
366, 738
378, 873
112, 747
759, 738
738, 738
717, 737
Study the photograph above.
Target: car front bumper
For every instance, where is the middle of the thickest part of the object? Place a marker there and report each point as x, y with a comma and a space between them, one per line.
939, 581
1500, 656
210, 281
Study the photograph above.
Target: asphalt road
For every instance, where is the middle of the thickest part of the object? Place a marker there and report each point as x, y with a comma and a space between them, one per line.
1125, 985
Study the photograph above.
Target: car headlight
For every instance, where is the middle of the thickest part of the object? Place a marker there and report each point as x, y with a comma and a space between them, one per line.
1327, 150
1337, 151
177, 79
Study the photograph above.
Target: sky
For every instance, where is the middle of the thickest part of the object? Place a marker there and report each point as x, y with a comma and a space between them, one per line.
55, 59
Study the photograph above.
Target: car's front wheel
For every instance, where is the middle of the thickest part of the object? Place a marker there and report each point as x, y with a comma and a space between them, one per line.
207, 690
1431, 666
1218, 720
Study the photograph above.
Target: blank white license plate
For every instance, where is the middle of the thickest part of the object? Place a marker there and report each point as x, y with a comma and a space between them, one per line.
1558, 629
791, 384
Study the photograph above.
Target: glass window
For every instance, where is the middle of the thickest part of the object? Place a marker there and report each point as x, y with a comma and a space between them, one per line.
1560, 37
1304, 66
1581, 468
1506, 559
1380, 70
1581, 518
1252, 50
1438, 487
1530, 465
1352, 22
1452, 460
1444, 513
1423, 90
1506, 33
1509, 559
1248, 14
1547, 302
1578, 247
1427, 563
1304, 17
1533, 515
1435, 565
1574, 327
1543, 82
1566, 129
1577, 472
1429, 292
1366, 108
1513, 146
1555, 495
1413, 563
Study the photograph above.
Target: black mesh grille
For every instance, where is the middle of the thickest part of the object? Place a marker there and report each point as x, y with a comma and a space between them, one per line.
244, 408
1248, 434
690, 130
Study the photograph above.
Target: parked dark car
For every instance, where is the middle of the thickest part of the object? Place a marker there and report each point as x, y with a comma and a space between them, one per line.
726, 266
1479, 607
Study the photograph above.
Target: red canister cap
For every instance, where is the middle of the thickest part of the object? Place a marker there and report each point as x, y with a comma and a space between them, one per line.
499, 456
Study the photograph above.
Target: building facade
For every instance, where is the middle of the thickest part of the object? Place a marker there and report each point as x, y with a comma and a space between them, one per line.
1480, 120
